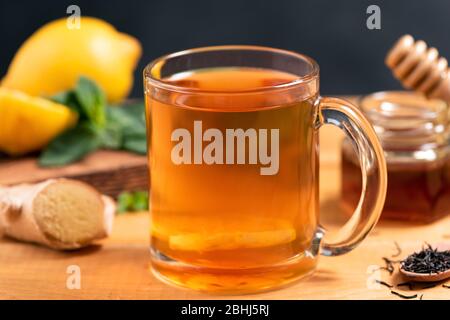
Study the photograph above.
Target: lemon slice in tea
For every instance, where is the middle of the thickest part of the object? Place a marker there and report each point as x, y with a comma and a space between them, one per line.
231, 240
190, 234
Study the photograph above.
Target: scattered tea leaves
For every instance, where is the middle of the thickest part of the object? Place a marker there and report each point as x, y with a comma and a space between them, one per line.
403, 296
399, 250
384, 284
389, 265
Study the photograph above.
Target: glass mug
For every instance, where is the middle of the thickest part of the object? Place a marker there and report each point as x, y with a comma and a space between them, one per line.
234, 172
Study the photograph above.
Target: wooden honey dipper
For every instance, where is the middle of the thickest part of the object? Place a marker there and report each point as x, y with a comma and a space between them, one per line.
420, 68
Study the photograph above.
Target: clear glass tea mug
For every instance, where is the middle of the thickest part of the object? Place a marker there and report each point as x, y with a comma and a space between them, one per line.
234, 172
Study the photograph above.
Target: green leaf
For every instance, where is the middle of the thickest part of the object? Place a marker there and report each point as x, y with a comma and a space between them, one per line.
135, 109
140, 201
111, 136
136, 143
92, 100
132, 201
70, 146
62, 97
125, 202
68, 99
130, 119
100, 126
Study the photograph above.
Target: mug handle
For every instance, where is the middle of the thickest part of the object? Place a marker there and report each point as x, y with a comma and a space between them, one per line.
357, 128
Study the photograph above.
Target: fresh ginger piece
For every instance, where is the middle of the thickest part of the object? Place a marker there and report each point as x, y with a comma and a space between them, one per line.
61, 214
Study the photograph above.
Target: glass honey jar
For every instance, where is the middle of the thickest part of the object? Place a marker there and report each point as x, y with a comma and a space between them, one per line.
414, 133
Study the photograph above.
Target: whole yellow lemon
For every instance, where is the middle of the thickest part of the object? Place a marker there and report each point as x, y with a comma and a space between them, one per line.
56, 55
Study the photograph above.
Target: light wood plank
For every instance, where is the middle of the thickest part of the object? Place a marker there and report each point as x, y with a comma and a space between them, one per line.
119, 268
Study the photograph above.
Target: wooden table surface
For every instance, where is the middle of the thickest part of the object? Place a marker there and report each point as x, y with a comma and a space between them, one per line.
118, 268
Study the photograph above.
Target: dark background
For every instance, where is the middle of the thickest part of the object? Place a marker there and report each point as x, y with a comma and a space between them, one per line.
351, 57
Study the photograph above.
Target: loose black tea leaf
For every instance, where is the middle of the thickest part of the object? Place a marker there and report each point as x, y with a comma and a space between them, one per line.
403, 296
389, 265
399, 250
384, 283
427, 261
387, 269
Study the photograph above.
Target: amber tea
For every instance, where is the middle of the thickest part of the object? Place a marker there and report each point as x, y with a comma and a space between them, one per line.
223, 214
233, 158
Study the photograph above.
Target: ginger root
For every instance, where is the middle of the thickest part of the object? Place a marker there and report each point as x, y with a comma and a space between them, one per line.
60, 214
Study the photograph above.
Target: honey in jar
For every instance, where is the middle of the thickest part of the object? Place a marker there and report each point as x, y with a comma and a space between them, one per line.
414, 134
